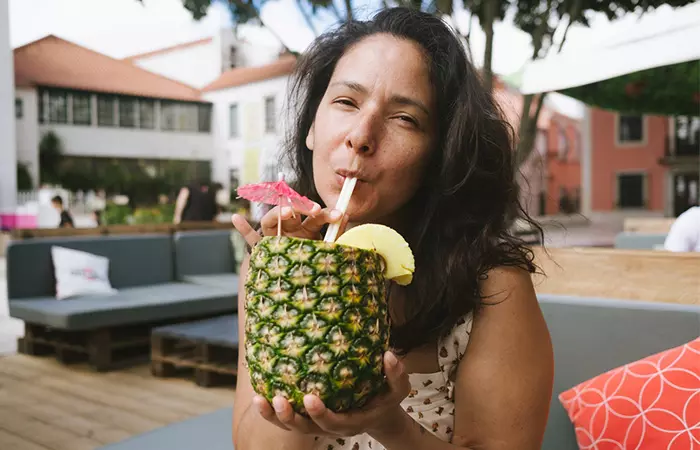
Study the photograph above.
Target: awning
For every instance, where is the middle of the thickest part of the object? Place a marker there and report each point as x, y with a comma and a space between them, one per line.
653, 70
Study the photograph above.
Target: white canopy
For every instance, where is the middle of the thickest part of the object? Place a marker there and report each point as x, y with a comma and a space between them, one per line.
645, 45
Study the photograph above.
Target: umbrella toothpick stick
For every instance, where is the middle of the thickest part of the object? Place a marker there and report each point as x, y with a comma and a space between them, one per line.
280, 177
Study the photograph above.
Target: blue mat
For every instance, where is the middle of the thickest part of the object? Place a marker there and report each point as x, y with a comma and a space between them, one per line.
210, 431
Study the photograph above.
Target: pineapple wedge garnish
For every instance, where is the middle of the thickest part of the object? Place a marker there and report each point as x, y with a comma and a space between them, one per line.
400, 263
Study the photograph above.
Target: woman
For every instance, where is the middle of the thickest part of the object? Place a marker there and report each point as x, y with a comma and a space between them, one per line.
471, 365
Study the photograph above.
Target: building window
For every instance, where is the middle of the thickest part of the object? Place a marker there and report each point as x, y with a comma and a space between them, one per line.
204, 118
168, 112
270, 115
630, 128
147, 114
105, 111
630, 190
127, 112
19, 113
58, 107
563, 144
82, 109
232, 57
187, 116
233, 121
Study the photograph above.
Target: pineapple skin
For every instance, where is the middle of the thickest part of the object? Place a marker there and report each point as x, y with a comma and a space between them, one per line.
316, 322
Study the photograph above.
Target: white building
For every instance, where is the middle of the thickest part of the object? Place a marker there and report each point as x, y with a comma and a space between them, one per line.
248, 123
103, 108
200, 62
8, 154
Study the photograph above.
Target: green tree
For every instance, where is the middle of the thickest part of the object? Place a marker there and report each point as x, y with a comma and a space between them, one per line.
50, 158
543, 20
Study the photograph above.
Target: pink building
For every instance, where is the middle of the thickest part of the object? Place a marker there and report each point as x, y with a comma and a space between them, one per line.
644, 163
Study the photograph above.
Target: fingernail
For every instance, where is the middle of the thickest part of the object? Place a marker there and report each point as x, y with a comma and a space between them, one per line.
278, 404
286, 210
391, 360
335, 214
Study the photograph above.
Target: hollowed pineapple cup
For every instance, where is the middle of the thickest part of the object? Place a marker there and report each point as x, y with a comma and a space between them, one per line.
316, 322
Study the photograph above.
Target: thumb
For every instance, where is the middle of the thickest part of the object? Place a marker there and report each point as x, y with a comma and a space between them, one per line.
397, 377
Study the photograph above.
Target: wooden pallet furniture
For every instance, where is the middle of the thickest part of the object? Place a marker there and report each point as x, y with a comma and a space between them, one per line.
208, 348
104, 349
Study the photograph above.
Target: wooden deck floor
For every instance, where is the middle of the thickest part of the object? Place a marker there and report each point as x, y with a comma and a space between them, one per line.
47, 406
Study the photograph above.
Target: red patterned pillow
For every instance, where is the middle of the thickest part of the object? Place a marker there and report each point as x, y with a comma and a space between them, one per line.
650, 404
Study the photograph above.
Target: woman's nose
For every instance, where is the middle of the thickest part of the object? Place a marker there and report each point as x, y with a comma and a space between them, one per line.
361, 139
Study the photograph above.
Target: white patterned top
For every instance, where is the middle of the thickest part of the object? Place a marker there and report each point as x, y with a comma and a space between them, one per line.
431, 401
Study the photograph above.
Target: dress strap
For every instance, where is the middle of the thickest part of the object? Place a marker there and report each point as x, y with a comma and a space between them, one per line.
451, 349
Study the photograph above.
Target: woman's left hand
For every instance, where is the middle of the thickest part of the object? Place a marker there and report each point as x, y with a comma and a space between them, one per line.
382, 414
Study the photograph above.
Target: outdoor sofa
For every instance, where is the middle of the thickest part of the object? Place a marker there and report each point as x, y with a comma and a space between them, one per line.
111, 329
590, 336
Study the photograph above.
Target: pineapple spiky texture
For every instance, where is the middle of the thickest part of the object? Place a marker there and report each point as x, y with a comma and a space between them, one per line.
316, 322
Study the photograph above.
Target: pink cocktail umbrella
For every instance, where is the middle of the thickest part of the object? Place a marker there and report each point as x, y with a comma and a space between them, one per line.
277, 193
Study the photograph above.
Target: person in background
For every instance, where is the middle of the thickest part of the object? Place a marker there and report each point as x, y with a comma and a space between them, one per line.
195, 203
66, 219
684, 235
97, 217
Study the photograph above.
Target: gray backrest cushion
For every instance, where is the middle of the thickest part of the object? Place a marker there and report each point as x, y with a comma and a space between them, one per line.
591, 336
134, 260
640, 241
203, 253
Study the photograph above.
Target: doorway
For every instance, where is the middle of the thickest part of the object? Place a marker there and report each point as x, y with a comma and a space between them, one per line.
686, 191
630, 191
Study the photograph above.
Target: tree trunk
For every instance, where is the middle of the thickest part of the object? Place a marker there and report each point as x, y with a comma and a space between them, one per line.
348, 9
307, 19
490, 8
528, 122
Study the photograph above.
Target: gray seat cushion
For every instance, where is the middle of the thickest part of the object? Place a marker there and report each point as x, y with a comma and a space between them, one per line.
134, 260
227, 281
222, 330
212, 431
591, 336
640, 241
128, 306
203, 253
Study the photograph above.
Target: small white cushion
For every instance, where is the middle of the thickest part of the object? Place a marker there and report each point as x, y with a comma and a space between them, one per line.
80, 273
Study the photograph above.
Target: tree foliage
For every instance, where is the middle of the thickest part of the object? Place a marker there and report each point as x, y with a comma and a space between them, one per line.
543, 20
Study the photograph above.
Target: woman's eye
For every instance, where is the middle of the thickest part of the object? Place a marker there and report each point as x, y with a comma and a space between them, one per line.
344, 101
409, 119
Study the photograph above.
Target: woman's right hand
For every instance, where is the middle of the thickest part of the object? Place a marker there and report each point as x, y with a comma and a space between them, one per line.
292, 223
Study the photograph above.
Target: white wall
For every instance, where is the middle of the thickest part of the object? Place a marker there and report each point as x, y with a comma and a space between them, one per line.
197, 65
27, 128
131, 143
8, 159
251, 115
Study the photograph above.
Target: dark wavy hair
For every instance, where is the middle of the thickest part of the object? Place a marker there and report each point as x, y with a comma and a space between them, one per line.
469, 197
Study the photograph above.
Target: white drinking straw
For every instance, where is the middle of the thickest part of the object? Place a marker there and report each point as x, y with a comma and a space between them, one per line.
342, 206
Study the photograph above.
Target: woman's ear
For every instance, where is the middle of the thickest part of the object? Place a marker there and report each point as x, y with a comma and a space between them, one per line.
310, 138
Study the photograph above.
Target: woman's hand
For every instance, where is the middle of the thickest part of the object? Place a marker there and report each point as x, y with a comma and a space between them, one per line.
382, 414
291, 221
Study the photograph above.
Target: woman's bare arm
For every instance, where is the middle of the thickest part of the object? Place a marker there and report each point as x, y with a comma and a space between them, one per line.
250, 430
504, 381
180, 203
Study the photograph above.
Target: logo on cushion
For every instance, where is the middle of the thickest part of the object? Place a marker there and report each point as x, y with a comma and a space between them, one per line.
87, 273
650, 404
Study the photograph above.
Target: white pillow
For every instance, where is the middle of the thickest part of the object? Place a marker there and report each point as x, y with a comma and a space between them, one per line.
80, 273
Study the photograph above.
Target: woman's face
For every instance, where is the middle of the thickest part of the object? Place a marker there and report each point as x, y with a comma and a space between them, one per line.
378, 113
